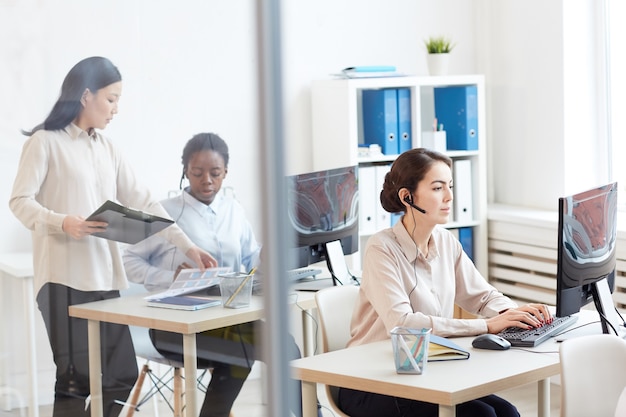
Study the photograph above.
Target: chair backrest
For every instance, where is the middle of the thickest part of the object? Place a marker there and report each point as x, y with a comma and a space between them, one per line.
335, 306
593, 375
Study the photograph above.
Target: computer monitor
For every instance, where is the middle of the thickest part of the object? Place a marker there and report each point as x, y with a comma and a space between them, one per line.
587, 233
323, 206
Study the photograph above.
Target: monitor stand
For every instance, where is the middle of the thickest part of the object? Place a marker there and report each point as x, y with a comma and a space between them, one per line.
611, 321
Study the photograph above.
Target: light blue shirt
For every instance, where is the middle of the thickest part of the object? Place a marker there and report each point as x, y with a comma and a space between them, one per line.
220, 228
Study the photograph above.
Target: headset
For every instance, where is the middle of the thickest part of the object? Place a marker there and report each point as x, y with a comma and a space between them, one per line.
409, 200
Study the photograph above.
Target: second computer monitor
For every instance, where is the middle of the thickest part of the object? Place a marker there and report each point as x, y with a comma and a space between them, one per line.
323, 206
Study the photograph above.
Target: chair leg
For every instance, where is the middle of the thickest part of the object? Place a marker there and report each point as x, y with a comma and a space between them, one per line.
178, 393
137, 391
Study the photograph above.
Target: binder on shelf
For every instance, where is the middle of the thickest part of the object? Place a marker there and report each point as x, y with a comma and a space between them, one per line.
380, 119
367, 200
463, 190
466, 237
457, 109
405, 139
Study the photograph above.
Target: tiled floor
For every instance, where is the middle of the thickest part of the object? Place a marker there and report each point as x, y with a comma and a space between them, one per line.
249, 403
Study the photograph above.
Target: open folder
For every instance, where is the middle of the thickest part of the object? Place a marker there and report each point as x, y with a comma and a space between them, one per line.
127, 225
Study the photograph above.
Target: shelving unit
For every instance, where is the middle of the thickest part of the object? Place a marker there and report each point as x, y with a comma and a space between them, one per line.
337, 128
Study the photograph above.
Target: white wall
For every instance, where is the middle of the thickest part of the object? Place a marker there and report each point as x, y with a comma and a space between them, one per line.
185, 70
545, 100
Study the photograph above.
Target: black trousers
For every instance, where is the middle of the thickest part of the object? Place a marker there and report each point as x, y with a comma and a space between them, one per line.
68, 340
230, 351
367, 404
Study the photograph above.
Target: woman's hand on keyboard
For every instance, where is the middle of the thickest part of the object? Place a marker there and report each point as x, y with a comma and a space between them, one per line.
527, 316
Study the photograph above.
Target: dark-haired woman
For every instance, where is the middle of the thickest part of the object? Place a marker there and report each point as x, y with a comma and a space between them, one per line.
66, 171
413, 275
217, 223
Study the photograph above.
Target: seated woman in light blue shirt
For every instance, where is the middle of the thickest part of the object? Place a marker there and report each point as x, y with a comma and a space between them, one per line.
216, 223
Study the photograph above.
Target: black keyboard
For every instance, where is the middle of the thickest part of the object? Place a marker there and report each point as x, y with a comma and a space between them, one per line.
533, 337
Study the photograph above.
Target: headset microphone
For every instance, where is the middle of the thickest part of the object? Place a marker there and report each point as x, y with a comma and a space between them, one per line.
409, 201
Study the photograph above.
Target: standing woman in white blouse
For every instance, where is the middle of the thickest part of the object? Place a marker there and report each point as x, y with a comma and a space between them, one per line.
66, 171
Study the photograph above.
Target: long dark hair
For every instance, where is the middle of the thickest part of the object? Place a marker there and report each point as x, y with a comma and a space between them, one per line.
406, 172
93, 73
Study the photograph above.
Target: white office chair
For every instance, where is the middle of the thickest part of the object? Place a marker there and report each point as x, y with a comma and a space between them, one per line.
170, 382
334, 306
592, 375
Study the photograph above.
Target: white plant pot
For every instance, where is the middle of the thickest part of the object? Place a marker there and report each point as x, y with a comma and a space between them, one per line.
438, 63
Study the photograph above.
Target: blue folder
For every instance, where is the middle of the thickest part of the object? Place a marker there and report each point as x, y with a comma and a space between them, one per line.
466, 237
405, 141
457, 109
380, 119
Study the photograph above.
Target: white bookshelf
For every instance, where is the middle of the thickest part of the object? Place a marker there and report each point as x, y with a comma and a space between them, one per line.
337, 129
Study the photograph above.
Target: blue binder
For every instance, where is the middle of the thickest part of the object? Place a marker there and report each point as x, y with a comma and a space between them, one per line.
457, 109
380, 119
405, 139
466, 237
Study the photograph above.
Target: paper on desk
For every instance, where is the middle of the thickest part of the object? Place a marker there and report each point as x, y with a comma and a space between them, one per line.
190, 280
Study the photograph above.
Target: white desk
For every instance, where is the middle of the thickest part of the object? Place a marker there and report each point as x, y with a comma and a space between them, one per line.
133, 310
20, 266
371, 368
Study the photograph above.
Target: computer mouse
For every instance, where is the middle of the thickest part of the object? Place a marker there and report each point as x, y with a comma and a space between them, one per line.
490, 341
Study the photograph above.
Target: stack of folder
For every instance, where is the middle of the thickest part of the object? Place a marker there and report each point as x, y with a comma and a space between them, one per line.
387, 119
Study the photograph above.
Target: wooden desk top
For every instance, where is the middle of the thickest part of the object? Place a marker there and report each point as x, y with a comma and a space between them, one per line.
133, 310
371, 368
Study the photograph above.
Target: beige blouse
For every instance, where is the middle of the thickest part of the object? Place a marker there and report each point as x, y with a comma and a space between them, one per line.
401, 287
68, 172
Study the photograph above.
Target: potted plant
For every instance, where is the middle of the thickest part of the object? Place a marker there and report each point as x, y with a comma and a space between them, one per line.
438, 48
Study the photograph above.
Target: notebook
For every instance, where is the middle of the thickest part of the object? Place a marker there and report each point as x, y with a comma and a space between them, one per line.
188, 302
442, 349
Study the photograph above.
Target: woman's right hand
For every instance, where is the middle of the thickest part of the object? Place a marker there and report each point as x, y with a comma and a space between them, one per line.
182, 266
77, 227
514, 317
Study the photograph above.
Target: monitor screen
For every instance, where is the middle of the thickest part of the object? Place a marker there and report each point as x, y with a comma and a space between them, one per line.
322, 207
587, 234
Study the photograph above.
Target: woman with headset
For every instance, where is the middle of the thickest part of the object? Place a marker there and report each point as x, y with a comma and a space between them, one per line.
217, 223
413, 275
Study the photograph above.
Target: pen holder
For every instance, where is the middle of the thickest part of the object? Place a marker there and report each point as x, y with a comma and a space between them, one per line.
435, 141
236, 289
410, 349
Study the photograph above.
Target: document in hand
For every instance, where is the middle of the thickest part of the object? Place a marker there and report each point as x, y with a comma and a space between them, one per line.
442, 349
127, 225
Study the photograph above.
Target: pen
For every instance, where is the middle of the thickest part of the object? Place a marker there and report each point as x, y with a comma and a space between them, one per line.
240, 287
409, 355
435, 125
